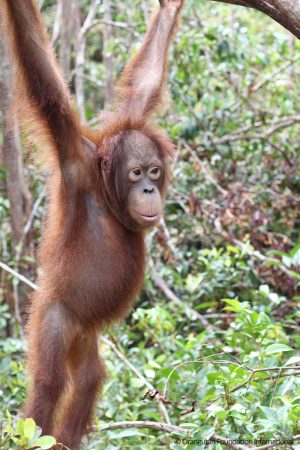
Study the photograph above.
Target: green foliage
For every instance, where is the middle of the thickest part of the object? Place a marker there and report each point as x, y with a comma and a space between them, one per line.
241, 378
12, 377
25, 434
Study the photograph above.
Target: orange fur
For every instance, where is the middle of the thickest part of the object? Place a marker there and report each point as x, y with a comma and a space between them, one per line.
92, 258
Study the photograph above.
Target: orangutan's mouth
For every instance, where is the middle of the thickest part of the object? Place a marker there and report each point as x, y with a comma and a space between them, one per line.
149, 218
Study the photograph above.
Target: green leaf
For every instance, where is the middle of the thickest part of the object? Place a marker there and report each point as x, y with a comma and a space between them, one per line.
269, 413
189, 425
149, 373
294, 274
277, 252
20, 427
293, 360
9, 427
232, 249
234, 305
272, 262
264, 290
125, 433
44, 442
193, 282
206, 432
137, 383
29, 428
277, 348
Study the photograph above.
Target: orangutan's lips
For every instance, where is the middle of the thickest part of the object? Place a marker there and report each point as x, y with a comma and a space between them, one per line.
149, 218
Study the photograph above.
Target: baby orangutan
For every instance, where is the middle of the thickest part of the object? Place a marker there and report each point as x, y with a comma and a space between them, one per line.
106, 190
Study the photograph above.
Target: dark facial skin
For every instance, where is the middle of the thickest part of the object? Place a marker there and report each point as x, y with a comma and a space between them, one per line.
142, 172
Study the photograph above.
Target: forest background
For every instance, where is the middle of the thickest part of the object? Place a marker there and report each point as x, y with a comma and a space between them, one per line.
211, 350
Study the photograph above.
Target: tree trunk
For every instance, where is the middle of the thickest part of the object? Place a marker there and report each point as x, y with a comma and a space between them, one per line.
107, 54
17, 191
285, 12
80, 55
67, 35
11, 151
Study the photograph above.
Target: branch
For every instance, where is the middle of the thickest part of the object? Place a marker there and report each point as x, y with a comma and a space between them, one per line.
270, 76
162, 285
107, 39
168, 429
89, 18
179, 430
285, 12
204, 170
113, 346
267, 446
34, 210
258, 255
131, 28
145, 424
18, 255
18, 275
282, 372
79, 60
242, 133
115, 349
56, 26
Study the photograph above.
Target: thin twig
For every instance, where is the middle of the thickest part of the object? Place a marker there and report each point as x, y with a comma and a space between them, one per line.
89, 20
180, 430
270, 76
145, 424
36, 205
242, 134
19, 251
206, 173
162, 285
267, 446
258, 255
121, 355
79, 60
56, 26
18, 275
255, 371
131, 28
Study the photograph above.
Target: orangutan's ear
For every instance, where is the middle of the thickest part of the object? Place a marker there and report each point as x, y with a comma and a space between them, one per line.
103, 164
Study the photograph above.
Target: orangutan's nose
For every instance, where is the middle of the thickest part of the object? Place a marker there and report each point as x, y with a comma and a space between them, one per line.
148, 190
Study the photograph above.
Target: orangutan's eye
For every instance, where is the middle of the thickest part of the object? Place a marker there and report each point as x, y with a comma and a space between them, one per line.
135, 174
155, 173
